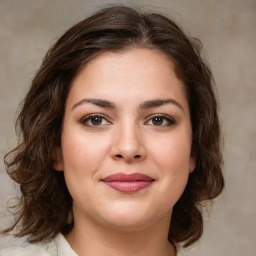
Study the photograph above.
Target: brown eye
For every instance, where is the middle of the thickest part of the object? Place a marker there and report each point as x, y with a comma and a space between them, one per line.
157, 120
161, 120
97, 120
94, 120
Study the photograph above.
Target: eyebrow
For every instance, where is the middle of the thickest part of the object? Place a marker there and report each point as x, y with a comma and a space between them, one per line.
145, 105
159, 102
97, 102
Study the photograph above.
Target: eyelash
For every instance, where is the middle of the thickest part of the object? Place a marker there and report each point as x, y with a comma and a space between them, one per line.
170, 121
90, 117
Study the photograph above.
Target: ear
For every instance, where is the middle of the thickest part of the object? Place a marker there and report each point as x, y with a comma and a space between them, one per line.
192, 163
58, 161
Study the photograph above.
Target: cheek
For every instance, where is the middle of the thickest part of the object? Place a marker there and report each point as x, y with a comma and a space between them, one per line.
82, 154
79, 145
82, 157
173, 152
172, 157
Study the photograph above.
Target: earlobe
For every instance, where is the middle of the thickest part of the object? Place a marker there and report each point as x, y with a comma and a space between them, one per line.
58, 161
192, 163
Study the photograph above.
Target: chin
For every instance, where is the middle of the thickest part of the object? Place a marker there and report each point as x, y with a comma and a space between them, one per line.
127, 224
129, 218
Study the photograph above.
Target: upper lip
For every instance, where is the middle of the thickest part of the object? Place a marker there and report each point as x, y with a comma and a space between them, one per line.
127, 177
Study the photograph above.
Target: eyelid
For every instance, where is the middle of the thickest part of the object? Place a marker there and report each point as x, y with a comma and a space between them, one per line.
89, 116
170, 120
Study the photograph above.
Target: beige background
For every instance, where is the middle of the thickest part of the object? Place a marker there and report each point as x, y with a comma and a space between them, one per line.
228, 30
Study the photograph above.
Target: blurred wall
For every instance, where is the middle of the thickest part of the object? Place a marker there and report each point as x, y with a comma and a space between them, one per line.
227, 29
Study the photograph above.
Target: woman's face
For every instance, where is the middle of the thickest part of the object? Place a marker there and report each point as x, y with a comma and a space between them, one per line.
126, 139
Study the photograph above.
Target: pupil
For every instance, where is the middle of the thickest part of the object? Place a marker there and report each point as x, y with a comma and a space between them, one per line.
158, 120
96, 120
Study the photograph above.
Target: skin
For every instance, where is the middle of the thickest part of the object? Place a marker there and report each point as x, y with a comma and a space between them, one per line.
129, 139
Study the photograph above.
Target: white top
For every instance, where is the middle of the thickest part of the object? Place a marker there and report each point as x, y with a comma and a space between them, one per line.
59, 246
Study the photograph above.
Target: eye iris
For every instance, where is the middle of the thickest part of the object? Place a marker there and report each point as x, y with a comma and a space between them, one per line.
157, 120
96, 120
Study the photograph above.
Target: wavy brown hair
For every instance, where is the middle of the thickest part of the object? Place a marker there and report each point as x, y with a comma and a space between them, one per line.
45, 205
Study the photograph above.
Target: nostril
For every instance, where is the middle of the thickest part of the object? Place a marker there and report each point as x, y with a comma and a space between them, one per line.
137, 156
119, 156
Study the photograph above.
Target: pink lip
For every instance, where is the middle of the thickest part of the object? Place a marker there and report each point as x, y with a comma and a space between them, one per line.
128, 183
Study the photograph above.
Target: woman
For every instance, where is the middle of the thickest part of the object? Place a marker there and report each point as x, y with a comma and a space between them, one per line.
120, 141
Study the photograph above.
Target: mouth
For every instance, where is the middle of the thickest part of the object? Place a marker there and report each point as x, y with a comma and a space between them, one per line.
128, 183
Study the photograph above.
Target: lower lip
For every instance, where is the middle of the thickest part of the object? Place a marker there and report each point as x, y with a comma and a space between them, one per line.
128, 187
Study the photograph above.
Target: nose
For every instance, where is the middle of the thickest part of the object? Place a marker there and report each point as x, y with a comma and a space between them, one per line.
128, 145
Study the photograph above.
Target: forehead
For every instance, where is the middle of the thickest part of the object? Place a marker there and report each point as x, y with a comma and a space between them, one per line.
131, 60
138, 73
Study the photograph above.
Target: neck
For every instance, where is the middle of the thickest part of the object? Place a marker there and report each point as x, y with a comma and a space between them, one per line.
89, 238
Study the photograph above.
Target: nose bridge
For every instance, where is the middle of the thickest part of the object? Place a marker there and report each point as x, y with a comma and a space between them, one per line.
129, 141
